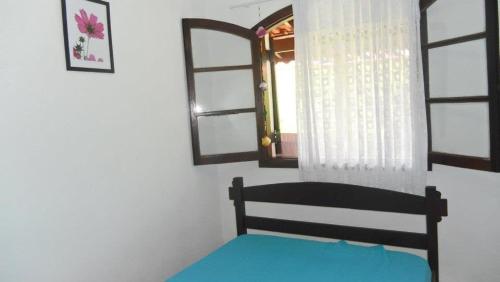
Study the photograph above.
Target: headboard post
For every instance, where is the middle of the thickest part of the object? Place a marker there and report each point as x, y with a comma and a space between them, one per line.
239, 206
433, 216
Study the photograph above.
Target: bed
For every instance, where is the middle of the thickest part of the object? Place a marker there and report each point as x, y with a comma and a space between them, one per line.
263, 258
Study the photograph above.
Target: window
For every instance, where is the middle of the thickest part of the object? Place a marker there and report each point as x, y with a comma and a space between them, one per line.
278, 126
460, 51
224, 76
222, 89
234, 117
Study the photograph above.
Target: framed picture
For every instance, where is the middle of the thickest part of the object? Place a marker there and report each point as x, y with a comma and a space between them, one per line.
87, 36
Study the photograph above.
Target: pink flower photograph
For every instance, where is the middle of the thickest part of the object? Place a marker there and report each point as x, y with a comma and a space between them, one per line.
89, 25
87, 36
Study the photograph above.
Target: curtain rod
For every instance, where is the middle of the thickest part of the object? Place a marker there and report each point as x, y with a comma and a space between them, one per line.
249, 4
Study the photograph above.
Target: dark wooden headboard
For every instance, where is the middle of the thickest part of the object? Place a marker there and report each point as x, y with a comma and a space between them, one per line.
350, 197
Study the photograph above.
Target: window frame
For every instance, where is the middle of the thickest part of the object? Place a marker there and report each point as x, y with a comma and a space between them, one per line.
264, 154
194, 23
493, 52
266, 159
491, 36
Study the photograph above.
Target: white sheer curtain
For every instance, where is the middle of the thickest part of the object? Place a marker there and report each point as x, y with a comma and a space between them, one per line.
360, 97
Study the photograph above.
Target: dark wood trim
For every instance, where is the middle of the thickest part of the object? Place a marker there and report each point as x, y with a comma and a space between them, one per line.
350, 197
264, 152
224, 68
492, 45
258, 93
340, 232
188, 55
275, 18
434, 213
197, 23
228, 158
225, 112
465, 99
425, 66
336, 195
279, 163
456, 40
461, 161
274, 99
187, 26
239, 206
454, 159
425, 4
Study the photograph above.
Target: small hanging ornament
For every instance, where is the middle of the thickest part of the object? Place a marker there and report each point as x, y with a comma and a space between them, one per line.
263, 86
261, 32
266, 141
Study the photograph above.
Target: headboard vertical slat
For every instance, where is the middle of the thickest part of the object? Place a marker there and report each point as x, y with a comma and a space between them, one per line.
433, 216
239, 206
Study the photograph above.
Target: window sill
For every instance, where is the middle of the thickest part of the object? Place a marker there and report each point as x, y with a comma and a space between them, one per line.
279, 163
436, 158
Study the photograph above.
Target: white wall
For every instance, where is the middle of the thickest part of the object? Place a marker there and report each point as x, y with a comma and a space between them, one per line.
469, 245
96, 174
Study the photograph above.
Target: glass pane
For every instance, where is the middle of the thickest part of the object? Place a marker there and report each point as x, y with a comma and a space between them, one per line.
224, 90
285, 90
459, 70
216, 49
228, 134
453, 18
288, 145
461, 129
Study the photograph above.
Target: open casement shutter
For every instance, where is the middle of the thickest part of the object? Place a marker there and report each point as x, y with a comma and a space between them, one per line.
460, 56
223, 77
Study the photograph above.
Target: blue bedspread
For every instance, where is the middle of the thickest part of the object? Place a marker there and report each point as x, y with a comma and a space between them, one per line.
260, 258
